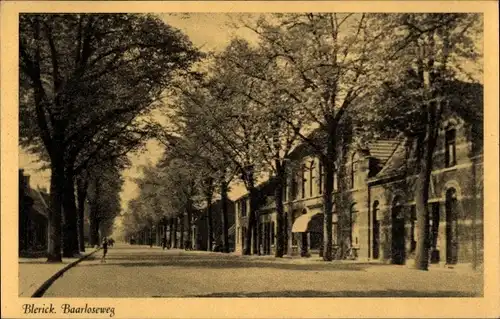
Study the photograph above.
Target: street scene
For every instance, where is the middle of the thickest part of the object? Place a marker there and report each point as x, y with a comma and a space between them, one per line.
251, 155
144, 272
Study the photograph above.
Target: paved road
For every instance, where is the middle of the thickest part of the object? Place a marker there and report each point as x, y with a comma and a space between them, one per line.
138, 271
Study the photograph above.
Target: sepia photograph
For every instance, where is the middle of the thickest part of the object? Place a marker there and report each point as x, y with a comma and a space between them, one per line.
181, 154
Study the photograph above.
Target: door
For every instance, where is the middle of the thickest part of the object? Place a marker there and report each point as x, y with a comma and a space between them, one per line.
451, 227
398, 235
376, 231
434, 233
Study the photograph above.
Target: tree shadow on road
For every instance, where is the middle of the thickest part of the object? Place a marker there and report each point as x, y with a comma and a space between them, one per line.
226, 263
326, 294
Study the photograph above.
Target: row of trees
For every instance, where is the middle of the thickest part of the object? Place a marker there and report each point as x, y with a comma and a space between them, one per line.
87, 84
243, 113
172, 192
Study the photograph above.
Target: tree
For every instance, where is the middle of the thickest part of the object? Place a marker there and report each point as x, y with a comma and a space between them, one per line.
428, 51
252, 72
168, 191
228, 122
104, 201
212, 167
80, 72
328, 62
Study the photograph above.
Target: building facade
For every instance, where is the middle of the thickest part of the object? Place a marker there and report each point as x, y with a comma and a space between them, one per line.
33, 217
374, 215
200, 233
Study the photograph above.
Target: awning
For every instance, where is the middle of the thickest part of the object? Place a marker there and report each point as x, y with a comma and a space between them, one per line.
310, 222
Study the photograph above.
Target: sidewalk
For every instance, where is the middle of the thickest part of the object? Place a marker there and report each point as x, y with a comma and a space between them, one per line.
315, 259
34, 272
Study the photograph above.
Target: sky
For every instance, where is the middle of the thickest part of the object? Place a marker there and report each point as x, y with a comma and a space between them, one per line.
207, 31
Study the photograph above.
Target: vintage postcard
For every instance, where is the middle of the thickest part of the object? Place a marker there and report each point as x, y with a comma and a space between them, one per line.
238, 159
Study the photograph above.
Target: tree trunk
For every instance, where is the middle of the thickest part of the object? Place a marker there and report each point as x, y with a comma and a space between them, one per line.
176, 224
421, 198
70, 247
189, 215
225, 226
94, 232
329, 166
172, 233
94, 215
289, 225
278, 196
157, 234
327, 213
82, 184
182, 222
210, 230
55, 211
251, 229
150, 242
474, 205
165, 227
426, 146
256, 235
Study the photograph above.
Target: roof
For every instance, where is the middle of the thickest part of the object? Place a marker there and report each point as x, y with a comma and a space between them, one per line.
40, 204
382, 150
395, 164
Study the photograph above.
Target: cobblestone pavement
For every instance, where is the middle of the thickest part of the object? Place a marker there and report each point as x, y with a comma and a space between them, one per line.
138, 271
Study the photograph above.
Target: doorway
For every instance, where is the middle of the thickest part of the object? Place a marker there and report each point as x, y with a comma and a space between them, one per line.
451, 227
376, 231
398, 233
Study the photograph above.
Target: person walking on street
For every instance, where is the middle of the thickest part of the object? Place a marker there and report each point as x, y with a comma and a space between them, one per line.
104, 249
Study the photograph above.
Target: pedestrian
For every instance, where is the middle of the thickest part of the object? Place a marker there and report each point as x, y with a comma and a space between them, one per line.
164, 243
104, 249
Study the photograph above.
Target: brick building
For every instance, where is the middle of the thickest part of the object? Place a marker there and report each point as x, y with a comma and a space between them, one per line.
374, 210
33, 217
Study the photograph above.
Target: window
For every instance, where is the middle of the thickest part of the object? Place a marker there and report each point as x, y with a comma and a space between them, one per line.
294, 187
335, 229
413, 230
243, 208
354, 236
311, 178
271, 231
450, 151
354, 169
243, 236
335, 179
321, 175
304, 180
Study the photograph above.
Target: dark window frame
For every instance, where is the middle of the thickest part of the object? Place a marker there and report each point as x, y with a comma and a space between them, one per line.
243, 208
311, 178
303, 180
352, 212
450, 141
321, 175
354, 168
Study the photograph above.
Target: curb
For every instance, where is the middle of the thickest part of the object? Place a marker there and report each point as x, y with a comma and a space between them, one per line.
43, 288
